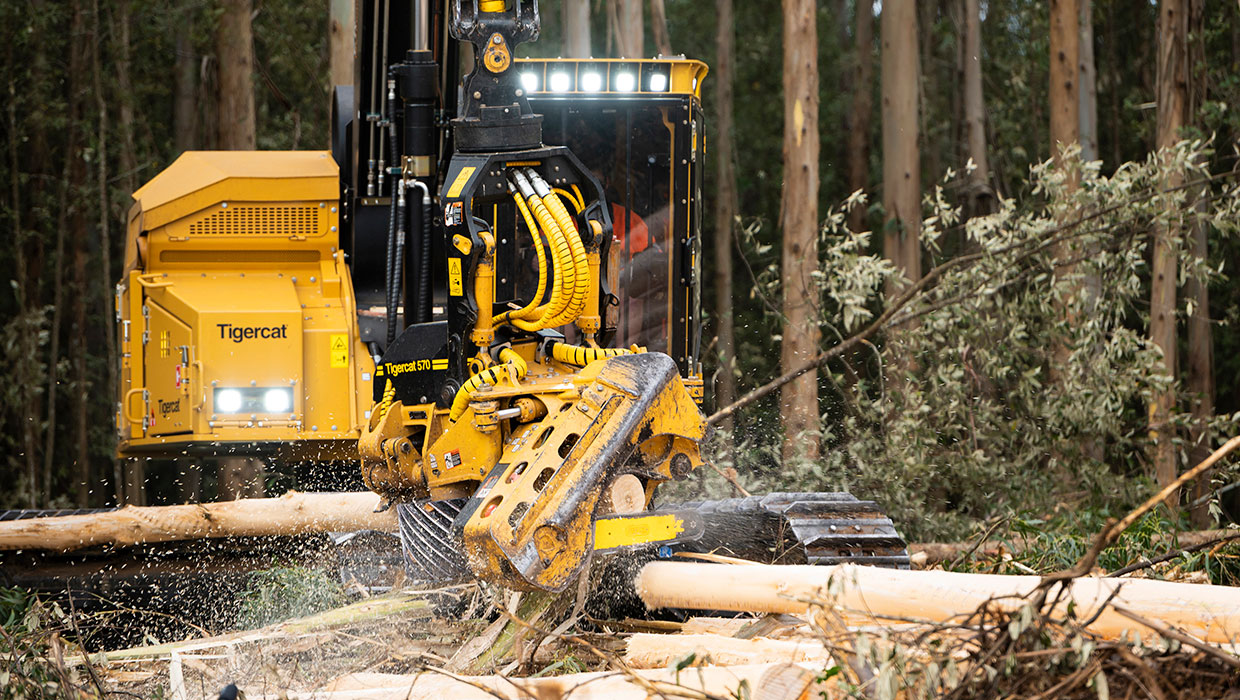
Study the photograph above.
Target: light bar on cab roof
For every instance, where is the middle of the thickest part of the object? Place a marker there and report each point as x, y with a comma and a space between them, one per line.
562, 76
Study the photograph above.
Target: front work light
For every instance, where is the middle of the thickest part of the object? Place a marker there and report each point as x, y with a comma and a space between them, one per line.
254, 400
591, 82
227, 400
529, 81
658, 82
625, 82
559, 82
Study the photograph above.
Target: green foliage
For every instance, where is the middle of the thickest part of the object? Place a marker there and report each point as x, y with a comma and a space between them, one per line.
1021, 375
283, 593
32, 663
1045, 545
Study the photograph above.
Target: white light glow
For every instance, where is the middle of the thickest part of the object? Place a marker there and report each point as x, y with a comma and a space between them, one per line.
560, 82
227, 401
625, 82
529, 81
277, 401
591, 82
658, 82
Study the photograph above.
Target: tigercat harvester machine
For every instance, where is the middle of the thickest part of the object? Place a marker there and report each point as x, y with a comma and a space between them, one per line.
486, 296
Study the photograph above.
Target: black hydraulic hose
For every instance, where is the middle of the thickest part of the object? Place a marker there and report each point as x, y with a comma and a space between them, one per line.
395, 244
424, 270
401, 233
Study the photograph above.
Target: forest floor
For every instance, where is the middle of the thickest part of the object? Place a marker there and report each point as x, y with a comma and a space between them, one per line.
469, 642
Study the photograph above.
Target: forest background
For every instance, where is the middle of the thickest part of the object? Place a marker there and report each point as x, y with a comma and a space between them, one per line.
1004, 390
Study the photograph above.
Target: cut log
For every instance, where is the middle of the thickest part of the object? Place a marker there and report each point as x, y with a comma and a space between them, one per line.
1211, 613
766, 681
291, 514
663, 650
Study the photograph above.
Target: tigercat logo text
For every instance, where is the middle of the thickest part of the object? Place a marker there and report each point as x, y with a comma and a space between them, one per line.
240, 333
168, 407
394, 370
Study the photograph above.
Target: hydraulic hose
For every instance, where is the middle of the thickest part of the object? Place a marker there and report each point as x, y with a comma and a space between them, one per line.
562, 263
393, 295
581, 282
490, 376
421, 313
398, 271
581, 356
531, 307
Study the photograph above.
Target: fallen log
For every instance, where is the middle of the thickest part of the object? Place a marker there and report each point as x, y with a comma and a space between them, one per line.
291, 514
663, 650
768, 681
1211, 613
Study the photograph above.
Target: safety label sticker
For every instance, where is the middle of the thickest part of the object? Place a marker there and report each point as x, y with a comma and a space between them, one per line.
340, 350
452, 459
456, 286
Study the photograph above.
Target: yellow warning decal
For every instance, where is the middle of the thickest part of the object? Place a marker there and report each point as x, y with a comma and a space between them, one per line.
462, 178
340, 349
455, 286
623, 532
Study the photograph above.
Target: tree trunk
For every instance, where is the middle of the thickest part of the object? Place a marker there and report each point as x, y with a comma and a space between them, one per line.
799, 224
71, 217
1065, 52
235, 46
901, 158
340, 37
1172, 101
981, 195
185, 96
125, 97
86, 481
1088, 81
658, 22
1200, 379
576, 28
862, 112
632, 42
725, 202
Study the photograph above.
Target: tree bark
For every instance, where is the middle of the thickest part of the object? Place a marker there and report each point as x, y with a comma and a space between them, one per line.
577, 28
128, 152
632, 42
658, 22
901, 158
235, 46
291, 514
1065, 122
1172, 101
1088, 81
340, 40
85, 481
799, 225
725, 202
981, 195
185, 96
862, 112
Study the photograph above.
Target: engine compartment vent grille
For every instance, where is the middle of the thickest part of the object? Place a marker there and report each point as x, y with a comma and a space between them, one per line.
247, 220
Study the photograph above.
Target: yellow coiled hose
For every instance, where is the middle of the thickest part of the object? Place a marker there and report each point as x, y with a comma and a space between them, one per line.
532, 307
581, 356
582, 282
491, 376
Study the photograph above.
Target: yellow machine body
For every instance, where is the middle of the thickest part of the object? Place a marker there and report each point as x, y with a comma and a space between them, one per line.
236, 315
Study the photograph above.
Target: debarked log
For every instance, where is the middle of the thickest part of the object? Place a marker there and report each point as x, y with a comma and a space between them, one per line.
1211, 613
291, 514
